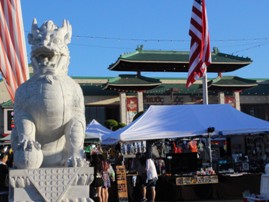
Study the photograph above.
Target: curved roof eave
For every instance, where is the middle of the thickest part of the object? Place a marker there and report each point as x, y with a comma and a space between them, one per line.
176, 62
231, 85
154, 84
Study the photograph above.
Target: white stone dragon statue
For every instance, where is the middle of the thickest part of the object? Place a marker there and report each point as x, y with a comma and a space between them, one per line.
49, 108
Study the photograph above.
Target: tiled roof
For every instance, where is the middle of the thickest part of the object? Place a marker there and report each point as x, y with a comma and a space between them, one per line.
176, 89
174, 61
231, 83
7, 104
132, 82
93, 89
260, 89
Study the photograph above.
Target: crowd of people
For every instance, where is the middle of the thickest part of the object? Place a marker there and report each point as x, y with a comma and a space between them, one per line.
104, 175
104, 160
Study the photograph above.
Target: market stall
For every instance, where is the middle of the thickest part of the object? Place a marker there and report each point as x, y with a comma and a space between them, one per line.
171, 131
205, 122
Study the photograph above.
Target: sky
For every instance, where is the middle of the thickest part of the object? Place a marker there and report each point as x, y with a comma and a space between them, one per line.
103, 30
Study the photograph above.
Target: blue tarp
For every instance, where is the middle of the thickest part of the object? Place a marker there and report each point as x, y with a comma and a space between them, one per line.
176, 121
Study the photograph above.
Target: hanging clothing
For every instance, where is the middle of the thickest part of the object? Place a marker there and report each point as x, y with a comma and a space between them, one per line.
193, 146
177, 149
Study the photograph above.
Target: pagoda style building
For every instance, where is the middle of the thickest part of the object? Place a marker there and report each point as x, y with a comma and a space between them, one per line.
176, 61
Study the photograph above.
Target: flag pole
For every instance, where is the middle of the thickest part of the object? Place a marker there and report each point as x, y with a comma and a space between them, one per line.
205, 91
210, 149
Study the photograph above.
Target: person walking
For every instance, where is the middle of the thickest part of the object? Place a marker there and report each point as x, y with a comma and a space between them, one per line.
139, 166
107, 174
151, 179
98, 182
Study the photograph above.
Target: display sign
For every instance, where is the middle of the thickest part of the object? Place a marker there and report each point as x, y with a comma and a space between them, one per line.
8, 120
191, 180
131, 104
122, 183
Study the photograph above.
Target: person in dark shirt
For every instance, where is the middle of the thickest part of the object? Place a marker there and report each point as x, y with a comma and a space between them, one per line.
98, 182
3, 172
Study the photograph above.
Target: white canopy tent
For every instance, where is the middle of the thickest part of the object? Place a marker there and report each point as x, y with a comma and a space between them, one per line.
95, 130
176, 121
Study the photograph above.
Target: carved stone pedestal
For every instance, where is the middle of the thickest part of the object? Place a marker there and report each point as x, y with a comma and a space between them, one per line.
67, 184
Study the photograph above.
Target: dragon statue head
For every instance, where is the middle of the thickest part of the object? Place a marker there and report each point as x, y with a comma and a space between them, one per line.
50, 54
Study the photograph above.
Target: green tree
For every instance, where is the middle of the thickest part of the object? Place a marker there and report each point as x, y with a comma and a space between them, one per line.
138, 115
121, 125
111, 124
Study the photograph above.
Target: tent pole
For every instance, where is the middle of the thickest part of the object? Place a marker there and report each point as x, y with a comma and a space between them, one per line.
205, 91
210, 149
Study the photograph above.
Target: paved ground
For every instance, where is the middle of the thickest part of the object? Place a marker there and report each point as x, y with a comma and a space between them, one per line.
206, 201
212, 201
221, 201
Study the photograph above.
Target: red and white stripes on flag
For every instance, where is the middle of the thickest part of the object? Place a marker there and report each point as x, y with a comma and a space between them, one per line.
200, 56
13, 56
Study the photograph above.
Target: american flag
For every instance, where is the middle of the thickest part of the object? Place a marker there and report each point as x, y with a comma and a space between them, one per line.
13, 57
200, 56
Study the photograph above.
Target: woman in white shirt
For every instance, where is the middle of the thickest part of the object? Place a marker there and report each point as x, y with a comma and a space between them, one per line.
152, 178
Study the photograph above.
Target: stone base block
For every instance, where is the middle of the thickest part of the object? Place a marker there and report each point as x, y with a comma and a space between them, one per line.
51, 184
